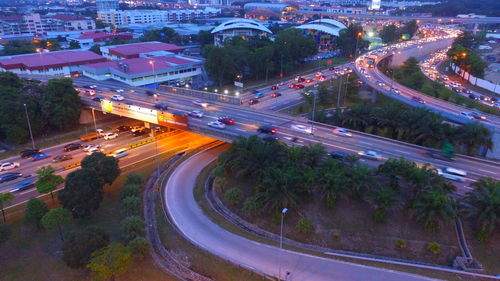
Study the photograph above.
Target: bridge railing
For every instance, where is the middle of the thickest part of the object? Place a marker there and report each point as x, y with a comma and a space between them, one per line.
202, 95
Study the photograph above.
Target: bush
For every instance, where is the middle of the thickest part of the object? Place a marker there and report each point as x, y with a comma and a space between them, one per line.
233, 196
132, 227
5, 233
134, 179
252, 206
380, 215
304, 225
434, 247
35, 210
140, 247
79, 246
400, 243
336, 235
131, 205
130, 190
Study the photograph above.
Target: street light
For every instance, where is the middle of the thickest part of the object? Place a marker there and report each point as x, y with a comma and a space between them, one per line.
283, 212
93, 117
358, 35
152, 63
29, 125
226, 92
237, 93
156, 151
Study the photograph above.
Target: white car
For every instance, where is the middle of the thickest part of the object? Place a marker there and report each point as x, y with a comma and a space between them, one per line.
200, 103
110, 136
92, 150
87, 147
217, 124
122, 152
370, 154
342, 132
197, 113
467, 115
93, 86
119, 90
8, 166
452, 174
117, 97
302, 128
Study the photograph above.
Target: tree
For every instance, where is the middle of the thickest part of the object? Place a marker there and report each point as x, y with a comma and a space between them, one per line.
349, 38
105, 166
130, 190
5, 198
205, 37
5, 233
410, 27
61, 104
483, 205
56, 218
35, 210
305, 225
433, 207
131, 205
473, 136
96, 49
389, 34
47, 181
134, 178
110, 261
82, 193
140, 247
132, 227
382, 198
220, 64
74, 44
80, 245
233, 196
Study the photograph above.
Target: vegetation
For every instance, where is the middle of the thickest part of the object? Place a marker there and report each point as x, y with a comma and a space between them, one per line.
82, 193
233, 195
110, 261
391, 33
132, 227
451, 8
47, 181
78, 248
54, 106
140, 247
35, 210
350, 40
19, 47
106, 167
166, 35
466, 58
56, 218
5, 198
434, 248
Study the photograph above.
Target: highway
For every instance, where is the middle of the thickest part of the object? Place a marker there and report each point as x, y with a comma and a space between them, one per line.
188, 217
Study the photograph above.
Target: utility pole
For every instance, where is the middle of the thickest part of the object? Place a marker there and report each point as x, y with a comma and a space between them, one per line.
29, 125
283, 212
338, 95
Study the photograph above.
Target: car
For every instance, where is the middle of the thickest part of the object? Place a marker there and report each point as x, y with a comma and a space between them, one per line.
10, 176
311, 80
29, 153
467, 115
162, 106
269, 138
87, 147
119, 90
89, 92
196, 113
110, 136
137, 128
141, 132
23, 185
117, 98
478, 115
274, 87
253, 101
40, 156
302, 128
452, 174
129, 102
100, 132
484, 98
456, 90
436, 155
338, 154
275, 95
467, 91
123, 128
226, 120
217, 124
342, 132
92, 86
200, 103
380, 83
418, 99
72, 146
370, 154
473, 97
150, 93
267, 129
61, 158
122, 152
299, 86
259, 95
93, 150
396, 91
9, 166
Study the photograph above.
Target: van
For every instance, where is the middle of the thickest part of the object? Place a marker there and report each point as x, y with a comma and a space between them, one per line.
452, 174
120, 153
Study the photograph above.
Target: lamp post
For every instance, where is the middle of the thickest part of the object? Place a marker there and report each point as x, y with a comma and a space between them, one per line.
29, 125
393, 70
152, 63
463, 55
283, 212
358, 35
314, 112
156, 151
93, 118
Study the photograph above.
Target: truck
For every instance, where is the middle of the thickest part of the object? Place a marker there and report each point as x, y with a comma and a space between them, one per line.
370, 61
90, 136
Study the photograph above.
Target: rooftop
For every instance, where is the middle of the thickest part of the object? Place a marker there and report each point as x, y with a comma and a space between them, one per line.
241, 24
133, 50
50, 60
66, 17
102, 36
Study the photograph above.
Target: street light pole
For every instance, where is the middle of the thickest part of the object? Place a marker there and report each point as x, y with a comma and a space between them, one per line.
314, 112
93, 117
29, 125
358, 35
156, 151
338, 95
152, 63
283, 212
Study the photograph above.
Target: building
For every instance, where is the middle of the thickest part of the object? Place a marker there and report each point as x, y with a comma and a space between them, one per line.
89, 39
323, 31
72, 22
238, 28
52, 63
106, 5
375, 5
144, 64
127, 17
261, 10
37, 24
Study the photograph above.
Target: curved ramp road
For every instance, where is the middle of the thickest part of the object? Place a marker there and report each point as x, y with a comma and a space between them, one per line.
190, 220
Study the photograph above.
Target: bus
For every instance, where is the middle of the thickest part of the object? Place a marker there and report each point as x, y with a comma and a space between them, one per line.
370, 61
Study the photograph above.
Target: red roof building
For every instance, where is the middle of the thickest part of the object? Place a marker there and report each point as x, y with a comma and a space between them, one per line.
129, 51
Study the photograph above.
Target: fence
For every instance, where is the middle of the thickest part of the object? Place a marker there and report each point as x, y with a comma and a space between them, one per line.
485, 84
202, 94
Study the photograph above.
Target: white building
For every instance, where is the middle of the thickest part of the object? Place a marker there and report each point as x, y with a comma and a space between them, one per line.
239, 28
375, 5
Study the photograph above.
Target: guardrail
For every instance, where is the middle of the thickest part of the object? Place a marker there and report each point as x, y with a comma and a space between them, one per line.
202, 94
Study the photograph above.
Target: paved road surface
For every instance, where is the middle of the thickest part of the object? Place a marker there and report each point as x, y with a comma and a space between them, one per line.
189, 218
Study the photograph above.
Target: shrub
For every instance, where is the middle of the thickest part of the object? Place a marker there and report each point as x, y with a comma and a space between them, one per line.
400, 243
35, 210
233, 196
79, 246
380, 215
131, 190
140, 247
132, 227
134, 179
434, 247
304, 225
5, 233
131, 205
252, 206
336, 235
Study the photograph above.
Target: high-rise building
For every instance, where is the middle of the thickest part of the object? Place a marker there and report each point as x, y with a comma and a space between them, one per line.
106, 5
375, 5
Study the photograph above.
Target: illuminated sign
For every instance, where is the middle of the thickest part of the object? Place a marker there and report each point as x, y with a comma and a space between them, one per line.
172, 120
131, 111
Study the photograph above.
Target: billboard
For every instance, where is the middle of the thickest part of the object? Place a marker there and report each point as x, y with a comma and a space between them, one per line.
130, 111
170, 120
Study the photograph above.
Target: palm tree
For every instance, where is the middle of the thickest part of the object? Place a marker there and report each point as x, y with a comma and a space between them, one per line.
473, 136
313, 155
483, 204
280, 188
360, 180
357, 117
433, 207
382, 198
332, 184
